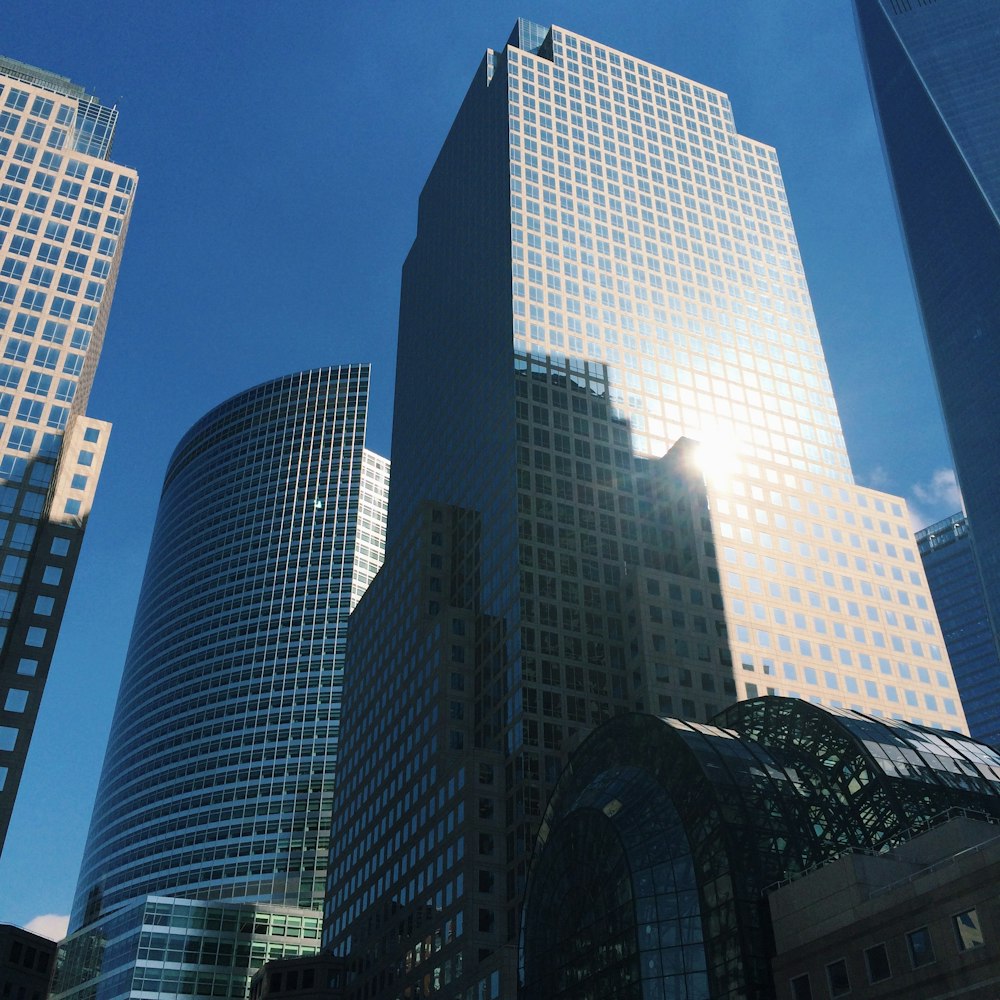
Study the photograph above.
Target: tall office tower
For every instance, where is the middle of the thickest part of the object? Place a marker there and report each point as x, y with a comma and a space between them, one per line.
604, 273
210, 832
64, 211
956, 586
935, 83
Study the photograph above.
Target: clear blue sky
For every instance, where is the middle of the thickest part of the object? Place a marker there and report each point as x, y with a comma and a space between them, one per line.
281, 148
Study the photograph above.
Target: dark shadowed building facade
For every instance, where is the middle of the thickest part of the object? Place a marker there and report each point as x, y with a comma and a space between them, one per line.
658, 848
935, 82
949, 558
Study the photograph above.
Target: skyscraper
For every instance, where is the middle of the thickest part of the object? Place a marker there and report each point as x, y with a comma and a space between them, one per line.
950, 564
619, 483
64, 212
935, 83
214, 805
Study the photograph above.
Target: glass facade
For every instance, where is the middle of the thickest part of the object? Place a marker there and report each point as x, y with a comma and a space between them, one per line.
950, 564
64, 213
657, 849
619, 484
220, 768
158, 945
935, 84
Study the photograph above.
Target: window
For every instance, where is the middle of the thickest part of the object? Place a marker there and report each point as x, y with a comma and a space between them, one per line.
41, 276
38, 384
35, 301
920, 947
69, 284
21, 439
47, 357
41, 107
17, 700
30, 411
836, 974
65, 390
53, 332
61, 308
58, 417
801, 990
877, 961
13, 569
967, 930
33, 131
15, 349
36, 202
36, 637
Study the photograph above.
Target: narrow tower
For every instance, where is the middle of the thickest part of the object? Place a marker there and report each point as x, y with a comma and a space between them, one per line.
64, 212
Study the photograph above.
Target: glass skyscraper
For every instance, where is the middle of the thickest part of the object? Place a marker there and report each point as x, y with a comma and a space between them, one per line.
952, 574
935, 82
218, 779
64, 212
619, 483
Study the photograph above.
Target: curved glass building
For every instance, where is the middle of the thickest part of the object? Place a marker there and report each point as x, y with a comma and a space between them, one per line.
662, 836
219, 771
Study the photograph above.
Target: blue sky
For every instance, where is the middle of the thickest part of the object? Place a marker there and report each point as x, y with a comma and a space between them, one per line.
281, 148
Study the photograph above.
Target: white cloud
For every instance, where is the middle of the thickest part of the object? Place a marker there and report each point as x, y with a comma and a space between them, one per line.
942, 489
877, 478
935, 499
49, 925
